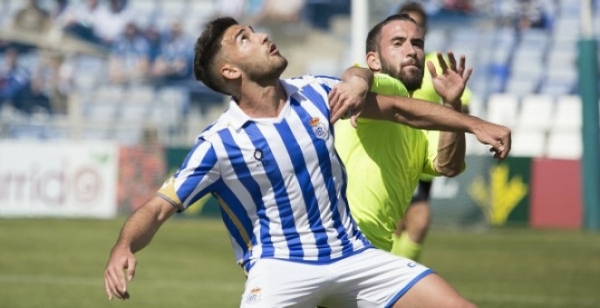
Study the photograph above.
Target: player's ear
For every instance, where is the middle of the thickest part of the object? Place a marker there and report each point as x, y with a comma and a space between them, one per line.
373, 61
229, 71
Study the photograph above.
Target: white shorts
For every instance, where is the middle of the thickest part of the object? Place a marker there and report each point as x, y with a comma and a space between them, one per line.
371, 278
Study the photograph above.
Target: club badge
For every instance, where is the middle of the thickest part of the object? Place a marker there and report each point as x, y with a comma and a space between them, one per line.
319, 128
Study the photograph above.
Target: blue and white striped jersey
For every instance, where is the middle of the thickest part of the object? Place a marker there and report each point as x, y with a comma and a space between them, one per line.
279, 181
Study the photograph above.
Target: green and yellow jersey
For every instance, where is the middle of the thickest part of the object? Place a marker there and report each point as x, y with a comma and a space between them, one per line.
384, 161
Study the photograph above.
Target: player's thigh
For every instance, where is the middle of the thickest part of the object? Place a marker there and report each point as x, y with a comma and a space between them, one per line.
279, 283
373, 278
432, 292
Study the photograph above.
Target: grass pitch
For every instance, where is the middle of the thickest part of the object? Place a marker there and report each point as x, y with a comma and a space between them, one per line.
60, 263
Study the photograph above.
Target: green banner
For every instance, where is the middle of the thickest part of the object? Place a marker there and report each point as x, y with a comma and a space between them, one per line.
205, 207
488, 193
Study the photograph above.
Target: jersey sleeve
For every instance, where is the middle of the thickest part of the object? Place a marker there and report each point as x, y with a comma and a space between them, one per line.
195, 178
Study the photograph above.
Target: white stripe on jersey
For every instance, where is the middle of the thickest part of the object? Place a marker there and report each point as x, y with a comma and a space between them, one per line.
280, 181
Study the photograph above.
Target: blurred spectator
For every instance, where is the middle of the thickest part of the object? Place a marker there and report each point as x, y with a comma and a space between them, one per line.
530, 14
53, 78
34, 99
278, 11
14, 79
233, 8
173, 63
463, 6
32, 18
320, 12
153, 36
59, 12
129, 57
110, 23
79, 20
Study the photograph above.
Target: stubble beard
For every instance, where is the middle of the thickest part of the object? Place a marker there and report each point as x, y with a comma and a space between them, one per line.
412, 81
266, 71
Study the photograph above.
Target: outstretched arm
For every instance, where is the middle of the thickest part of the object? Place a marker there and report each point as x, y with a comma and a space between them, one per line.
424, 115
137, 232
450, 83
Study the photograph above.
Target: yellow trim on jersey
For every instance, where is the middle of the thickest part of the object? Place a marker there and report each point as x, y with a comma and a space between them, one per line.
235, 220
167, 191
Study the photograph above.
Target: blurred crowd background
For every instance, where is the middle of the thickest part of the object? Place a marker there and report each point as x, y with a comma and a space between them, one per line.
121, 69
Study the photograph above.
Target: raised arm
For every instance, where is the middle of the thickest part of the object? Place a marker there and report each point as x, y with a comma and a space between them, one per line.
137, 232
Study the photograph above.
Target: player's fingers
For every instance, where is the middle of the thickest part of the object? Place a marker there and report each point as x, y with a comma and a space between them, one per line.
354, 119
112, 284
131, 264
467, 74
108, 288
452, 60
333, 99
463, 63
431, 68
442, 62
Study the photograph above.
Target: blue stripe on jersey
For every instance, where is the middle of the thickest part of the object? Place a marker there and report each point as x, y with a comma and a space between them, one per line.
191, 182
308, 191
282, 199
324, 161
236, 220
241, 169
316, 98
187, 158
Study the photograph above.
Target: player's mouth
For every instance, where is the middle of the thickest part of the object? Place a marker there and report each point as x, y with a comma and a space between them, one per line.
273, 50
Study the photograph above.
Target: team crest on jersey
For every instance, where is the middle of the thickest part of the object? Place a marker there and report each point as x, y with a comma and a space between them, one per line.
319, 128
254, 296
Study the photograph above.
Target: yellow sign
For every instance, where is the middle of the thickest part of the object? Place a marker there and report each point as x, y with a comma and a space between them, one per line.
501, 196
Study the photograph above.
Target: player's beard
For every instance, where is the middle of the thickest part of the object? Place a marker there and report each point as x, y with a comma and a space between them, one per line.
412, 81
265, 70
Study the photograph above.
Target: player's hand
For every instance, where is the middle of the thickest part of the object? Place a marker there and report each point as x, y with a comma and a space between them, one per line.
450, 83
497, 136
347, 99
119, 270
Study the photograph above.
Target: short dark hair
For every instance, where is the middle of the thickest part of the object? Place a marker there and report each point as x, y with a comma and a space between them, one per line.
375, 32
414, 7
207, 46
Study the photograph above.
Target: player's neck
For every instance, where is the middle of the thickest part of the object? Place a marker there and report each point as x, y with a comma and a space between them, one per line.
262, 100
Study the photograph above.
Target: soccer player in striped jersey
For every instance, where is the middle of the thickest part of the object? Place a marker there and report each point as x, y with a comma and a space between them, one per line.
270, 161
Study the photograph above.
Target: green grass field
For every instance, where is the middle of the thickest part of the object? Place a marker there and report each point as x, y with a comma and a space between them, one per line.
60, 263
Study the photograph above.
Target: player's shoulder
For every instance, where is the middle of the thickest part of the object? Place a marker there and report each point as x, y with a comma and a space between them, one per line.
211, 132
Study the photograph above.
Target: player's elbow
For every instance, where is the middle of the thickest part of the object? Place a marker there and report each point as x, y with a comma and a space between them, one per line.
449, 170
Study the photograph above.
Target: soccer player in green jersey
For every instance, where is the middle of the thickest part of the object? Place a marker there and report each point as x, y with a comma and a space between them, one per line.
384, 161
412, 229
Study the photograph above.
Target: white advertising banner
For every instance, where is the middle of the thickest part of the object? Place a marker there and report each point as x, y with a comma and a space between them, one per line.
58, 179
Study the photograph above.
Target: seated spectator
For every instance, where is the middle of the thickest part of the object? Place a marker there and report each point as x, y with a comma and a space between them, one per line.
110, 23
531, 14
79, 20
129, 57
173, 63
53, 79
32, 18
14, 80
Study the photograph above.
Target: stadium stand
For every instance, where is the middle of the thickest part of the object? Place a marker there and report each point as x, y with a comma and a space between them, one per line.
525, 72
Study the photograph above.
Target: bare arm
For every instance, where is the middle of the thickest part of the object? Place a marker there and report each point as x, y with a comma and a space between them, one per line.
451, 145
424, 115
138, 231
